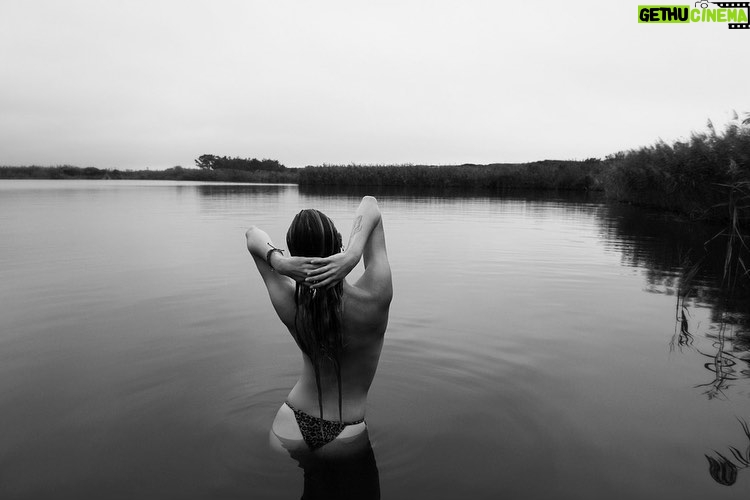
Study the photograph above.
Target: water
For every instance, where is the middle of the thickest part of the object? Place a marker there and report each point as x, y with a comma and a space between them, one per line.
528, 353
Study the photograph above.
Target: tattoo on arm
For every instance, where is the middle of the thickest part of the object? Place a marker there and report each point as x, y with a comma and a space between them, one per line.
356, 227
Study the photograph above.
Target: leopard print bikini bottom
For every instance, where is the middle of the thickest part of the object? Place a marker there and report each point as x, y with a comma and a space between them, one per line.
316, 431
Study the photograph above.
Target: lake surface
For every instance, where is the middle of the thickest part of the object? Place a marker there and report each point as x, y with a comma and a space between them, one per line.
534, 348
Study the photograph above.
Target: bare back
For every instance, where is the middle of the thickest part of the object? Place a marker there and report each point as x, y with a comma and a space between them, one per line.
365, 307
363, 329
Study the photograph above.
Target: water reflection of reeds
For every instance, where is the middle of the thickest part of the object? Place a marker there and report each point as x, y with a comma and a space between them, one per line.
703, 265
724, 470
721, 363
728, 335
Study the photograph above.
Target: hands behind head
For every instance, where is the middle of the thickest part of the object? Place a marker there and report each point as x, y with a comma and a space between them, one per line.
297, 268
330, 270
317, 272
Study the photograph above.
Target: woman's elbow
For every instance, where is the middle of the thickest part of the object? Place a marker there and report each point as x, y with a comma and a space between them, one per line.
250, 236
371, 203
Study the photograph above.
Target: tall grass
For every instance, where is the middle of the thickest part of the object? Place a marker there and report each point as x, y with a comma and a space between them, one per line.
697, 177
548, 174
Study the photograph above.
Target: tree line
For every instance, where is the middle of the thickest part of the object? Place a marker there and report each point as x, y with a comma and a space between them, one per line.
213, 162
177, 173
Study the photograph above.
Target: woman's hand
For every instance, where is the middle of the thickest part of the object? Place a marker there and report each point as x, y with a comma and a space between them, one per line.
327, 271
297, 268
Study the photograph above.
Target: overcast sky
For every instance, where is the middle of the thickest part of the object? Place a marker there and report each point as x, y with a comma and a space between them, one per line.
136, 84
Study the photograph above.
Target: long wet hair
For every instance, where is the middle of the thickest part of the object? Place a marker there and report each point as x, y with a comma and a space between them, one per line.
317, 319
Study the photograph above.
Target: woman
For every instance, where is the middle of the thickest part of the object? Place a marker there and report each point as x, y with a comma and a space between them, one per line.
339, 327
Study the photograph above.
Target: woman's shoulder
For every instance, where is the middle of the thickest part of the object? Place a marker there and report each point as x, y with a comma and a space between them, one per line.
366, 300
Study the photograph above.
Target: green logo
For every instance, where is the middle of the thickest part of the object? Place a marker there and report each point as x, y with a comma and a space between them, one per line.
735, 14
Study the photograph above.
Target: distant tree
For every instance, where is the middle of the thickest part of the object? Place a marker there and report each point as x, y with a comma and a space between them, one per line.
206, 162
212, 162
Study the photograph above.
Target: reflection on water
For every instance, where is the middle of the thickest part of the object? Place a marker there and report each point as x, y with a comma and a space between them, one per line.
682, 337
689, 260
703, 266
342, 476
729, 348
724, 470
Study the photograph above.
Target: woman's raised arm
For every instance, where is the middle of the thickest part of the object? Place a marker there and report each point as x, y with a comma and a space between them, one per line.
366, 239
271, 261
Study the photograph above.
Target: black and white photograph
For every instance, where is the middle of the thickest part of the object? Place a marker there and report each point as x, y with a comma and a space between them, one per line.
374, 250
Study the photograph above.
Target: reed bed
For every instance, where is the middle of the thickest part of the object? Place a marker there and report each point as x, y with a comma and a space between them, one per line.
548, 174
705, 177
